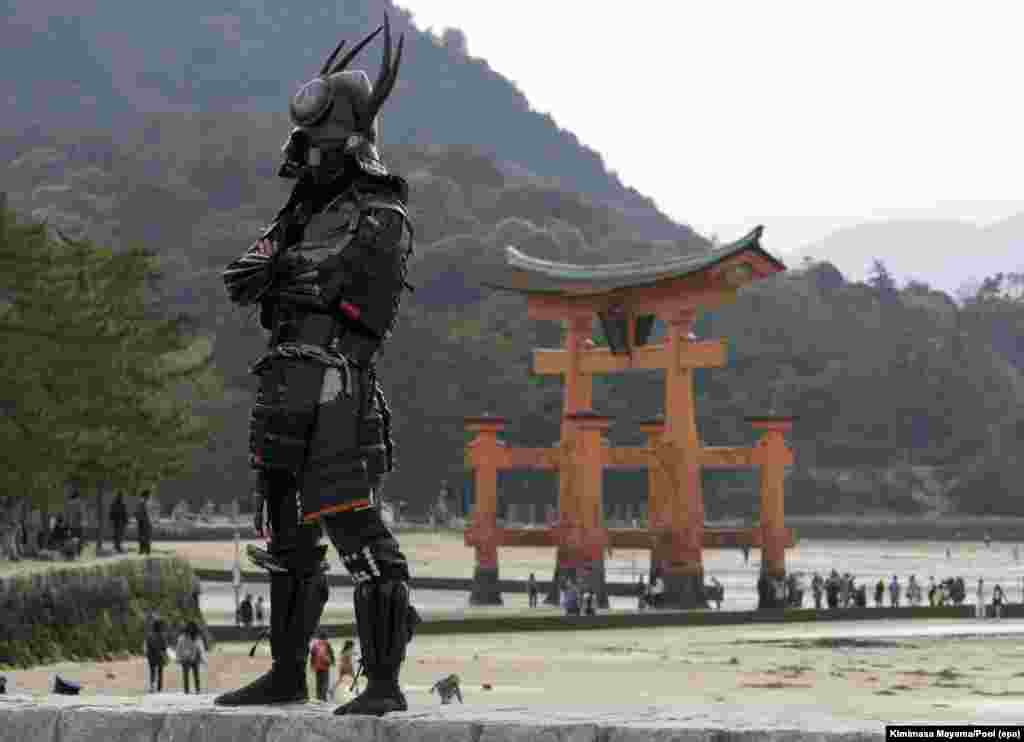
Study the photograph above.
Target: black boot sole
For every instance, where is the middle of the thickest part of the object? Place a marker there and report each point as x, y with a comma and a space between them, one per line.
372, 706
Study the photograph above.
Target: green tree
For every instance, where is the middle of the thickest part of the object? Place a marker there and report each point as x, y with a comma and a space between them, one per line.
101, 387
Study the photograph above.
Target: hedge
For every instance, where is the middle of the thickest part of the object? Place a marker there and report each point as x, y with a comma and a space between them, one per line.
90, 613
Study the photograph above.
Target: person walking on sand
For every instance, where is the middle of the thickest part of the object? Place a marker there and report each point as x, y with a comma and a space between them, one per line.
191, 653
119, 521
894, 592
817, 588
245, 611
641, 594
156, 654
145, 525
531, 590
879, 593
997, 601
657, 591
572, 599
346, 668
980, 609
717, 593
321, 660
260, 611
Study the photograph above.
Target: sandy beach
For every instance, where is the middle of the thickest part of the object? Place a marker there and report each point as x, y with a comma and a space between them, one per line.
883, 670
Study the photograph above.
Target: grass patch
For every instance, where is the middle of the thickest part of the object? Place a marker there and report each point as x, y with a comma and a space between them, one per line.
829, 643
27, 567
900, 686
1002, 694
796, 669
776, 685
885, 692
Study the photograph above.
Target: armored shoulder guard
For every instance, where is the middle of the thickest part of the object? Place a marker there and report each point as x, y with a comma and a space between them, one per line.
378, 255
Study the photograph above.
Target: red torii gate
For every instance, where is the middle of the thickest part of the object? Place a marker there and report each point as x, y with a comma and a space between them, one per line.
627, 297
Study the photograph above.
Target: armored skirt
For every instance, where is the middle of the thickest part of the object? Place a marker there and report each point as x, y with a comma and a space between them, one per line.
323, 419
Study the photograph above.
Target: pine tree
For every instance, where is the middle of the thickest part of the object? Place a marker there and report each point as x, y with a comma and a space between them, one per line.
100, 386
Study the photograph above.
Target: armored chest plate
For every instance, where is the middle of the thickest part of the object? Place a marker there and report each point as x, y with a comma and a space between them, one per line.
330, 230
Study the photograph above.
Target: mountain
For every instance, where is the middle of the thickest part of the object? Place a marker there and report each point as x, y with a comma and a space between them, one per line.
96, 64
160, 125
945, 254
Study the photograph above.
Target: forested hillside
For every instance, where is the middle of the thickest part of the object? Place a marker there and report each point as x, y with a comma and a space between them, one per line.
105, 64
905, 400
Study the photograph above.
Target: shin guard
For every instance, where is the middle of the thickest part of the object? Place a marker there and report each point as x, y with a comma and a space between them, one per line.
385, 618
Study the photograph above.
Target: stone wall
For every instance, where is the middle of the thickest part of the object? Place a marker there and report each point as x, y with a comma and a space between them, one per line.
162, 718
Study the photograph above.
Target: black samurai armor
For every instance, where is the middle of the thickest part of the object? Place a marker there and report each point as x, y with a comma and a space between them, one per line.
328, 276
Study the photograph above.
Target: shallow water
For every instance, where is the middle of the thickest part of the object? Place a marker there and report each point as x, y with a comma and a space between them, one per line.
867, 561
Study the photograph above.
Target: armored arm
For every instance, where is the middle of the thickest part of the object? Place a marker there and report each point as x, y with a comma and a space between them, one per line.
249, 277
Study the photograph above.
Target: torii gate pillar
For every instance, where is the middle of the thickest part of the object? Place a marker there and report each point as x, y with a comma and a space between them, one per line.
482, 534
772, 456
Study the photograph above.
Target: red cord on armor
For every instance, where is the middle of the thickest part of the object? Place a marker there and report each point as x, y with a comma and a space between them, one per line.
351, 310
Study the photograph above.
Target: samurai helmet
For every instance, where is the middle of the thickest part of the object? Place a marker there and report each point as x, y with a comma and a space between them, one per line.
335, 114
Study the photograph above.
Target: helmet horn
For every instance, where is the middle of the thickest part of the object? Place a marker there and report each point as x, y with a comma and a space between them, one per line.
327, 64
343, 62
388, 73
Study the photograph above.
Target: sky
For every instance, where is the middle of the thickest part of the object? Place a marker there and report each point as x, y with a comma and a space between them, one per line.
803, 116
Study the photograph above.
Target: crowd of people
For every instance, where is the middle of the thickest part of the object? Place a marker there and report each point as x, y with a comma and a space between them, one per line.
843, 591
576, 596
188, 648
64, 533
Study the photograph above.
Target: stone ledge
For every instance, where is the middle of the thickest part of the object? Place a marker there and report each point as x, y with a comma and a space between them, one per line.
174, 718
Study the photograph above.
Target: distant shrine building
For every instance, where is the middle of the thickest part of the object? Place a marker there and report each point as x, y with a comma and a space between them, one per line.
627, 298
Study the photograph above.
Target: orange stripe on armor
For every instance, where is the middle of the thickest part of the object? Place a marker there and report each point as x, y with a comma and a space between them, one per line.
343, 508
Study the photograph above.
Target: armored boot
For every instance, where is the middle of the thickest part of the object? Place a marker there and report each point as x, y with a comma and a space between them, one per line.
385, 621
298, 593
296, 606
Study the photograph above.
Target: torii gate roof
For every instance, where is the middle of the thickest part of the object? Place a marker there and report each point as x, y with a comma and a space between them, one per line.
529, 275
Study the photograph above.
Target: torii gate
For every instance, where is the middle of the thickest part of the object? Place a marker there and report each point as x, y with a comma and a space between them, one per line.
627, 297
